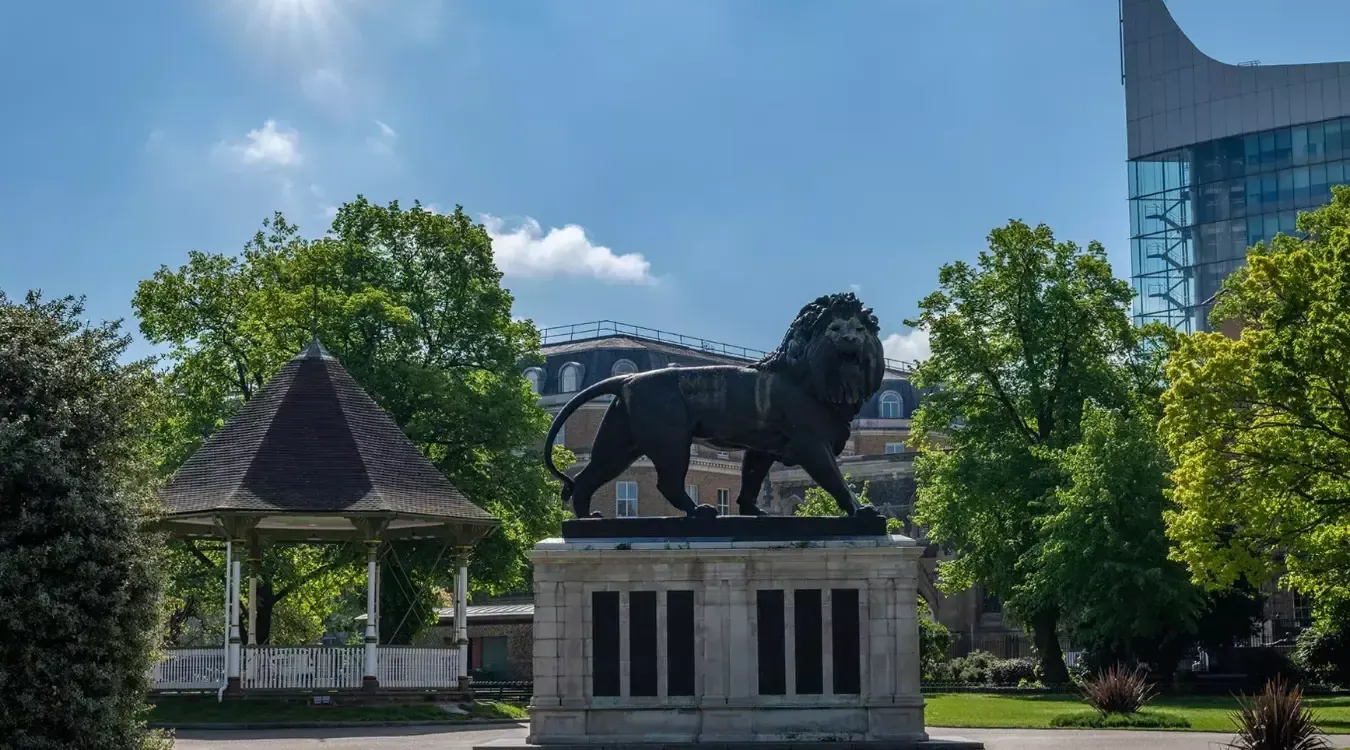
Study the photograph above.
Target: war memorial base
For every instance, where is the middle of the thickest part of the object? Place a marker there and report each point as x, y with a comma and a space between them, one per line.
780, 630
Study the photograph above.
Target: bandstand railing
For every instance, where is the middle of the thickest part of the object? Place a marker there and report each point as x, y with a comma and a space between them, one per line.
307, 668
189, 669
301, 667
413, 667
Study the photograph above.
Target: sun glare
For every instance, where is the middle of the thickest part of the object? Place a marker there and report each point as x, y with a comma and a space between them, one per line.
297, 25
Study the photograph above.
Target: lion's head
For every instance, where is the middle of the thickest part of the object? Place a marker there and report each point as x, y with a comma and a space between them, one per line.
833, 348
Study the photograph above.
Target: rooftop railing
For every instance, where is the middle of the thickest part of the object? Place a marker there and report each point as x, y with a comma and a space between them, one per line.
597, 329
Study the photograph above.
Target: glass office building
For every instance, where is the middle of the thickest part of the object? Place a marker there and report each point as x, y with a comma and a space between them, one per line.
1220, 157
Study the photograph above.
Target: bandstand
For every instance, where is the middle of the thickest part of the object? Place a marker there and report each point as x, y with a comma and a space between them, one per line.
311, 458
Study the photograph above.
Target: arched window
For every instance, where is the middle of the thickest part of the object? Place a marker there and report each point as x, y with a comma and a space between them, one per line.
570, 379
536, 378
891, 405
623, 367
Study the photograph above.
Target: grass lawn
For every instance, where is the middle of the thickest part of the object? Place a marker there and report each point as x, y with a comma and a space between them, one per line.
1205, 713
172, 711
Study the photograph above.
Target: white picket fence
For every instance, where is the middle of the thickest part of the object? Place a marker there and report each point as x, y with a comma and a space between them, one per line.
307, 668
413, 667
301, 668
190, 669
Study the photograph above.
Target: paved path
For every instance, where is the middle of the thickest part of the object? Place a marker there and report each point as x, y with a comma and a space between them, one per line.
449, 738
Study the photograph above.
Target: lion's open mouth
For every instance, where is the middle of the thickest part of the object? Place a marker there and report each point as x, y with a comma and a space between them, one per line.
850, 357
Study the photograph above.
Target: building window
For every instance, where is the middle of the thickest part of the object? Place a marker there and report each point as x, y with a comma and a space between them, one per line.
536, 378
625, 499
693, 449
724, 455
723, 501
692, 491
1302, 611
895, 448
570, 378
624, 367
891, 405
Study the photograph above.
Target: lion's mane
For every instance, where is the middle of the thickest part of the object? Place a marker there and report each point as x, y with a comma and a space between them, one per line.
806, 357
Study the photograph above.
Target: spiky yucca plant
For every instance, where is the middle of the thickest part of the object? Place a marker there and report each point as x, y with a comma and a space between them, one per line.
1118, 690
1275, 719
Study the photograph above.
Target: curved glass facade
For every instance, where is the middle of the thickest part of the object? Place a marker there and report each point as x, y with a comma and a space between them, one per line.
1221, 157
1195, 210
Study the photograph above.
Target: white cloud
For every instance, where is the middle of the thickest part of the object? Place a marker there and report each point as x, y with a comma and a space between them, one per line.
526, 251
383, 144
907, 347
267, 145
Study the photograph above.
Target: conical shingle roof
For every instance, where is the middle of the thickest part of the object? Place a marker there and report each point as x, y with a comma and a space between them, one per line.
311, 441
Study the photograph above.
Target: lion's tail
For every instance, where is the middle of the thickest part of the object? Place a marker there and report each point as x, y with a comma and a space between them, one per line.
607, 387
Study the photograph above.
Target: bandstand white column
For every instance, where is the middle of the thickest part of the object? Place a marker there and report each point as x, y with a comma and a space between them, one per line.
370, 680
462, 611
225, 644
232, 656
254, 563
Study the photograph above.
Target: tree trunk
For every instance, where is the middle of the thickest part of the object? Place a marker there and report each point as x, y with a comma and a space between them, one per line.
1045, 635
266, 603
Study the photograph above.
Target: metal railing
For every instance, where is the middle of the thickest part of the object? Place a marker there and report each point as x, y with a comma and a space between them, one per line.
414, 667
189, 669
306, 668
596, 329
301, 667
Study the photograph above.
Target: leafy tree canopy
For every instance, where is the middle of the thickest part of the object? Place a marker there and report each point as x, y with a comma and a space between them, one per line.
1106, 544
411, 302
79, 586
1023, 341
1258, 427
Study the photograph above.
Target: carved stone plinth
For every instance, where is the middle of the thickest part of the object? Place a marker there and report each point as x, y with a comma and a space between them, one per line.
674, 641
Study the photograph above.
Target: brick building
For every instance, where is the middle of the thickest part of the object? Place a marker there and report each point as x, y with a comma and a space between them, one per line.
578, 356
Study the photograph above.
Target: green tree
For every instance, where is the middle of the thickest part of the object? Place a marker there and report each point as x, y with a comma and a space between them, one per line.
1106, 543
934, 640
79, 587
1258, 427
818, 502
411, 302
1021, 340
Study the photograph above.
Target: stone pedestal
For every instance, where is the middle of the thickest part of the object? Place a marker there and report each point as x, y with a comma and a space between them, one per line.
652, 641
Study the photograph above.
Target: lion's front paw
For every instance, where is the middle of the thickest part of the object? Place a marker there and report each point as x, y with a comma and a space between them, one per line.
596, 514
704, 511
866, 511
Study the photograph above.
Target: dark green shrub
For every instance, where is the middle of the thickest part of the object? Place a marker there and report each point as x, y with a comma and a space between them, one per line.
934, 640
1261, 665
1119, 690
1323, 651
1276, 720
1137, 720
972, 668
1012, 671
79, 588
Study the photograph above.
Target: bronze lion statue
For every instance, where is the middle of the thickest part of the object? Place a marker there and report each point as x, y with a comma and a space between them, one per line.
795, 406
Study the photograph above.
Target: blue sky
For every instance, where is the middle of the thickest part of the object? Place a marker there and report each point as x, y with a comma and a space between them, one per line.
702, 167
